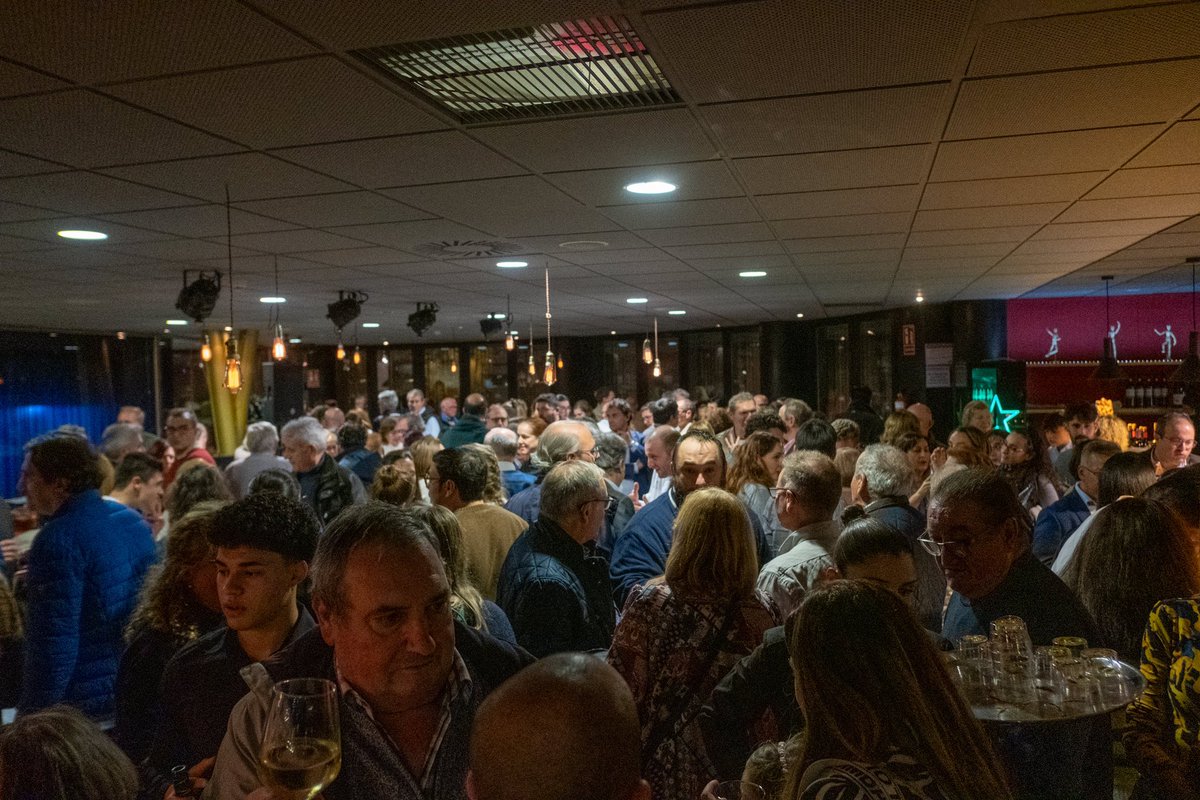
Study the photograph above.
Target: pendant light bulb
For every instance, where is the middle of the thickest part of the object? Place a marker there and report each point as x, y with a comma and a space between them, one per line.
560, 364
278, 348
454, 365
233, 369
205, 351
532, 366
509, 342
647, 353
548, 375
657, 368
341, 350
357, 357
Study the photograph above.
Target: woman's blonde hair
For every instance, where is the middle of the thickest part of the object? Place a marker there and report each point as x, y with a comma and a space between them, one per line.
897, 424
1113, 429
747, 464
868, 679
465, 599
712, 550
422, 454
393, 486
167, 605
969, 409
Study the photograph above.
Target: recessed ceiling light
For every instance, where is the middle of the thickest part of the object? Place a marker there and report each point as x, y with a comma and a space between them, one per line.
678, 312
637, 301
272, 299
612, 333
177, 322
386, 343
370, 324
650, 187
511, 264
583, 244
228, 329
294, 340
753, 273
920, 298
800, 315
83, 236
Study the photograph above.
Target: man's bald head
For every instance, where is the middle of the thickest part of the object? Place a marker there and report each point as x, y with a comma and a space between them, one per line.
564, 728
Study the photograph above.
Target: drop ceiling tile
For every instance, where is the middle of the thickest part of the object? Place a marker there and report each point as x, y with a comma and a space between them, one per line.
611, 240
359, 257
1009, 191
727, 250
440, 157
780, 47
837, 170
1179, 145
404, 235
1132, 208
709, 234
249, 176
606, 187
65, 257
878, 258
640, 138
49, 126
1072, 40
987, 249
85, 193
14, 164
947, 265
951, 236
842, 226
15, 212
739, 263
16, 79
632, 269
683, 213
46, 232
328, 210
990, 217
1148, 182
878, 241
196, 221
1085, 230
293, 241
182, 250
522, 206
257, 105
836, 121
118, 41
1098, 246
1065, 101
1040, 154
605, 257
879, 200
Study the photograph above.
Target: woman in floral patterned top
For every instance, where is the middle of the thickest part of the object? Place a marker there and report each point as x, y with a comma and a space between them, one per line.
884, 720
680, 634
1163, 740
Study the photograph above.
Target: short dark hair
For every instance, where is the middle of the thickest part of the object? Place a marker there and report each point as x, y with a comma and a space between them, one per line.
1053, 421
1125, 474
704, 437
764, 420
816, 434
861, 395
865, 538
622, 405
546, 397
352, 435
195, 485
1084, 412
1160, 425
475, 409
268, 521
136, 465
1179, 490
466, 468
67, 458
988, 490
278, 481
663, 409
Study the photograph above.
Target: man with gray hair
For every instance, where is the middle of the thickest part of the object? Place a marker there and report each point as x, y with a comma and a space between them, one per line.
882, 481
555, 590
389, 401
807, 492
794, 413
417, 405
565, 440
262, 440
503, 442
324, 485
610, 458
409, 677
121, 439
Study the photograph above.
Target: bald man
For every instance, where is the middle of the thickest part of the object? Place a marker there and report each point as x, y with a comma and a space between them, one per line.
924, 415
565, 728
471, 427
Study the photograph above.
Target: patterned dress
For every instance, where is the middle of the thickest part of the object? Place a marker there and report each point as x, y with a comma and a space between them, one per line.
900, 777
1164, 723
672, 654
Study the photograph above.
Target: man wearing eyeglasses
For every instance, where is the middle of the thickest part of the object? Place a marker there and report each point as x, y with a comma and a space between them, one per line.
565, 440
1063, 517
979, 533
180, 431
1176, 440
553, 587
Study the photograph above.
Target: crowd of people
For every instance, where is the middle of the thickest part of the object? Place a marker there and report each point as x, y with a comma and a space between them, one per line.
596, 600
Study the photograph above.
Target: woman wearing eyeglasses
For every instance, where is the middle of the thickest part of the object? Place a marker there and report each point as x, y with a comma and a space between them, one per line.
681, 633
1023, 464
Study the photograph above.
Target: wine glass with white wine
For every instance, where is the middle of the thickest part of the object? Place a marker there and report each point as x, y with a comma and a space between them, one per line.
301, 749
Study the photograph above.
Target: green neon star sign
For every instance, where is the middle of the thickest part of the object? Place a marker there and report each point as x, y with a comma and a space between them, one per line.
1003, 416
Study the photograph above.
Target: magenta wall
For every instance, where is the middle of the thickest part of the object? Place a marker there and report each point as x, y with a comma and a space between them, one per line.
1080, 324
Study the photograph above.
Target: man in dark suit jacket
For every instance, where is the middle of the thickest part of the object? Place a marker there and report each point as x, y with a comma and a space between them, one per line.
1059, 520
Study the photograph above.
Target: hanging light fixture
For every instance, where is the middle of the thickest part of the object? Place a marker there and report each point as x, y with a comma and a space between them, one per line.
1108, 369
1188, 372
510, 341
357, 356
532, 366
341, 349
205, 350
278, 347
453, 363
549, 374
233, 364
657, 371
647, 353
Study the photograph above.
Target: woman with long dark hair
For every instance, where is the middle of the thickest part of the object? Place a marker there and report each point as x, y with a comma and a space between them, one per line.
1023, 464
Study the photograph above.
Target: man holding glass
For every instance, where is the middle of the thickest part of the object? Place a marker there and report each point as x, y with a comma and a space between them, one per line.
408, 677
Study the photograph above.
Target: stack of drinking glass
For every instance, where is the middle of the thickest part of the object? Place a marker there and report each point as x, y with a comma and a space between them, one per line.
1006, 679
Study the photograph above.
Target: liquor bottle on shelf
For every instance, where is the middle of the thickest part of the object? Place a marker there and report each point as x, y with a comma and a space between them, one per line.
1177, 396
1130, 390
1139, 395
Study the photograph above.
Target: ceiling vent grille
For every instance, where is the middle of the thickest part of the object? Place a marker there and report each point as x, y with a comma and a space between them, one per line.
470, 248
579, 66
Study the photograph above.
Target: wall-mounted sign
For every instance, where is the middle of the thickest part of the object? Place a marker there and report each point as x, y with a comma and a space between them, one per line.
939, 359
908, 339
